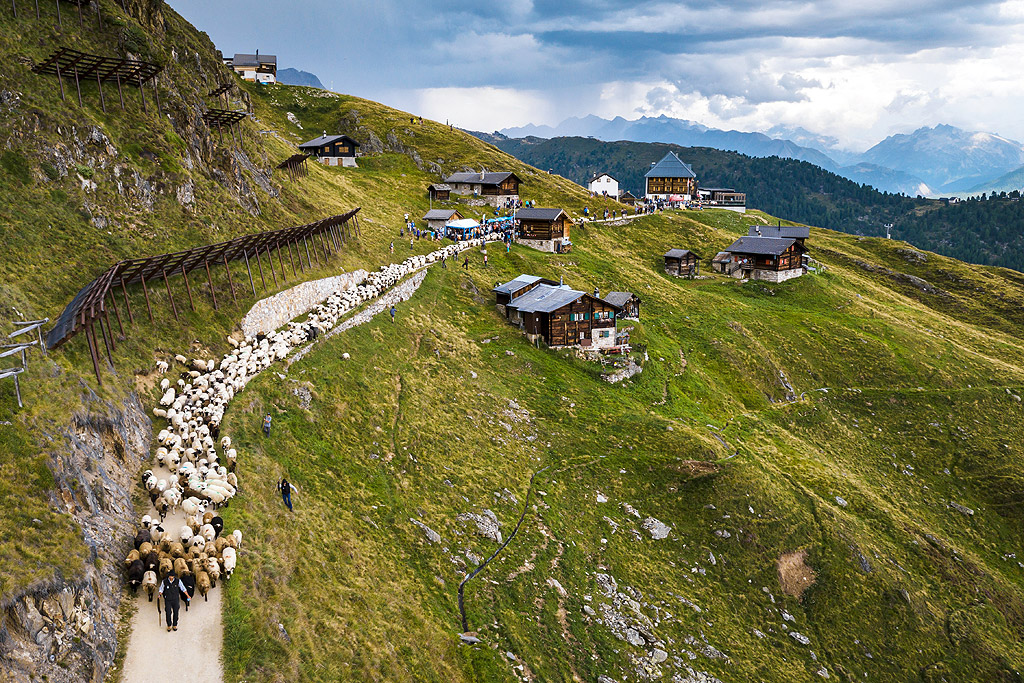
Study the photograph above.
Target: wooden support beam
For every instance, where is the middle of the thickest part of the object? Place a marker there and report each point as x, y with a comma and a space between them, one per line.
301, 267
14, 6
37, 9
280, 257
270, 259
307, 252
78, 86
60, 23
145, 291
316, 257
99, 17
81, 21
167, 284
188, 288
90, 336
99, 86
120, 93
106, 320
106, 341
249, 270
142, 91
327, 250
113, 302
260, 266
230, 283
292, 259
209, 279
127, 304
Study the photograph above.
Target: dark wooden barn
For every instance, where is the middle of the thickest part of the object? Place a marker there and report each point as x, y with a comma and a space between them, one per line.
545, 229
682, 263
627, 301
562, 316
775, 259
439, 192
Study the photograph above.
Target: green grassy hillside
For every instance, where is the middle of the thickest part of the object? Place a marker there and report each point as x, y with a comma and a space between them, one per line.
859, 427
907, 402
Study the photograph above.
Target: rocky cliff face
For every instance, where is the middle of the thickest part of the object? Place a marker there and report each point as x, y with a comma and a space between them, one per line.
66, 630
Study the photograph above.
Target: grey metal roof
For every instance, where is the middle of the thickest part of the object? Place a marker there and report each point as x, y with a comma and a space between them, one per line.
495, 178
326, 140
539, 214
679, 253
439, 187
439, 214
763, 246
716, 189
618, 299
671, 166
722, 256
795, 231
241, 59
516, 284
545, 298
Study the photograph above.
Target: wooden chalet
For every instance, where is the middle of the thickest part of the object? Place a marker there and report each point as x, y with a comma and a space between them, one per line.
563, 316
437, 219
495, 188
627, 301
439, 192
505, 292
797, 232
775, 259
545, 229
332, 150
671, 180
626, 197
682, 262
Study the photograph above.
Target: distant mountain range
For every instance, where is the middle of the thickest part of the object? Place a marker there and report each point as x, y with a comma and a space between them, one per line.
297, 77
929, 162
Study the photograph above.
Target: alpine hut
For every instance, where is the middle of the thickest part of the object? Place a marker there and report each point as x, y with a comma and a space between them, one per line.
775, 259
545, 229
680, 262
332, 150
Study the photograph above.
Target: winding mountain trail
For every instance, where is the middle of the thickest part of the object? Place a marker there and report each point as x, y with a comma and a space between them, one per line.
194, 652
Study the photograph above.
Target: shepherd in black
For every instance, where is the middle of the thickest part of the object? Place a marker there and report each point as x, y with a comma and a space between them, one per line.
171, 589
286, 488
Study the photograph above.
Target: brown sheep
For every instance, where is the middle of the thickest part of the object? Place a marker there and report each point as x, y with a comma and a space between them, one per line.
220, 544
208, 517
132, 556
203, 584
164, 545
195, 551
145, 549
177, 549
181, 567
166, 567
197, 565
211, 549
212, 568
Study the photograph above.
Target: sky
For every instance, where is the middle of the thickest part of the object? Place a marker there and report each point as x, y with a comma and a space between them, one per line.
855, 72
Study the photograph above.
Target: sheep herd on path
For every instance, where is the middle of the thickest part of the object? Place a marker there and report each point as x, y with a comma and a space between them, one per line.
192, 477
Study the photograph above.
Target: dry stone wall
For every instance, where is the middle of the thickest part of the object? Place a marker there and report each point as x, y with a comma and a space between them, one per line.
275, 311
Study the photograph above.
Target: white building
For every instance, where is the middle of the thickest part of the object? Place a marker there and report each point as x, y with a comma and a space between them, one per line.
604, 184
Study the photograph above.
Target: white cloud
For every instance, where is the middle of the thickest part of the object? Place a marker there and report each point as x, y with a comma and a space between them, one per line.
485, 108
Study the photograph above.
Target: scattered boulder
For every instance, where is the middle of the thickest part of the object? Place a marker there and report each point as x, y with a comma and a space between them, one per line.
657, 528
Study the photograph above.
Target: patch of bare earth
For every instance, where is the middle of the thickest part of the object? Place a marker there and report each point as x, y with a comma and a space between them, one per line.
794, 574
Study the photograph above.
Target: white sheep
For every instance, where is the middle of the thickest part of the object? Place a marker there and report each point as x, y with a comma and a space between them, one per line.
230, 560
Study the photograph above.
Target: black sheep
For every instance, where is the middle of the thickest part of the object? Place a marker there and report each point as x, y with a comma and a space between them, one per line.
218, 525
135, 572
143, 536
190, 588
152, 561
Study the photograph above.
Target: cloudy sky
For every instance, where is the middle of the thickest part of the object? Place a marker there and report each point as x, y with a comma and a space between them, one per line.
855, 71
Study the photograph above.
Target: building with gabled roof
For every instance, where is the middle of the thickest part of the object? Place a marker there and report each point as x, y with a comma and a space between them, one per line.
682, 262
332, 150
497, 188
437, 219
557, 314
257, 68
604, 185
544, 229
627, 301
670, 180
775, 259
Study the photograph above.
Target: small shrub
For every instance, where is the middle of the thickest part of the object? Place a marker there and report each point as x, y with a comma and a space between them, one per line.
16, 166
49, 170
84, 171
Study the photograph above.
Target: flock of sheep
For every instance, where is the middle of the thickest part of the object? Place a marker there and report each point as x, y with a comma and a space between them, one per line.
201, 479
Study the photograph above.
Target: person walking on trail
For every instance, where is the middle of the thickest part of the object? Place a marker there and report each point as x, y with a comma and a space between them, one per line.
411, 242
444, 263
392, 247
172, 589
286, 488
266, 425
465, 264
393, 311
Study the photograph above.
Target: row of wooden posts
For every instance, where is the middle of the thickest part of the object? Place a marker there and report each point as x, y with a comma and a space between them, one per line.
335, 236
81, 19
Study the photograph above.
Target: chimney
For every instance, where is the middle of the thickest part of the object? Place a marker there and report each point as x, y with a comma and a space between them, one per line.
597, 293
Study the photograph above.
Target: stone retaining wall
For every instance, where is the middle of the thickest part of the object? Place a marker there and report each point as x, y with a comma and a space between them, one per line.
271, 313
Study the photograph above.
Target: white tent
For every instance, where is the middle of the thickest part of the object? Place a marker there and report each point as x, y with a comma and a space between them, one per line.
463, 224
